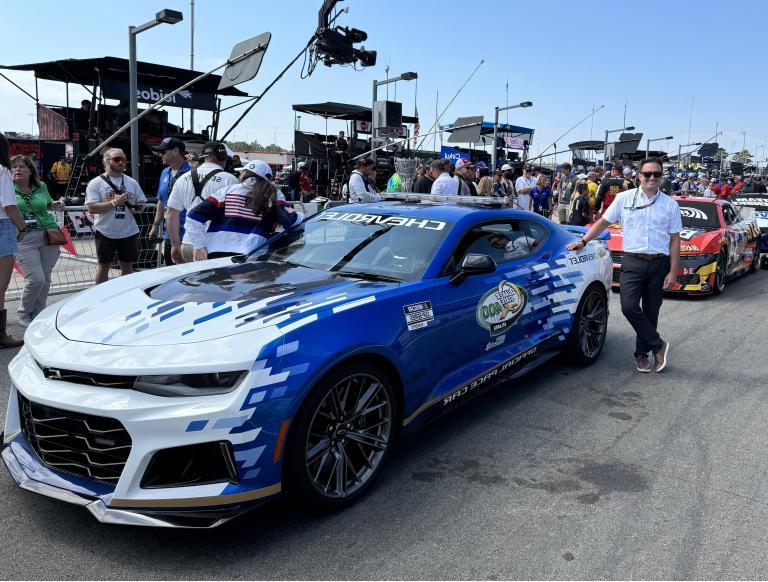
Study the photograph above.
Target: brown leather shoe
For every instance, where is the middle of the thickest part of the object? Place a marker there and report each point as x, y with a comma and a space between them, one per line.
642, 363
660, 358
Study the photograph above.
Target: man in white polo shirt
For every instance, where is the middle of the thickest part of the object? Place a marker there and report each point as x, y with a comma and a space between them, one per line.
210, 177
445, 185
651, 224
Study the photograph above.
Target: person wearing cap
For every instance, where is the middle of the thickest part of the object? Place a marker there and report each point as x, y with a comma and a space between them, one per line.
464, 174
445, 185
565, 188
523, 186
185, 196
172, 152
236, 219
651, 226
610, 188
360, 185
506, 181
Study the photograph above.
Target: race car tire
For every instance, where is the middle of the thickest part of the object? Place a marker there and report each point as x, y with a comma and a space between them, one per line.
720, 273
590, 325
756, 261
341, 437
764, 262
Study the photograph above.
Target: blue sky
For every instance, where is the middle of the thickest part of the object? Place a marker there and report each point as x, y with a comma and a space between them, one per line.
657, 56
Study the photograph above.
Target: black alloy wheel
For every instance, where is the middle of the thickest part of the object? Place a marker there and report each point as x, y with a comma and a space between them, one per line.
756, 260
342, 437
590, 326
720, 272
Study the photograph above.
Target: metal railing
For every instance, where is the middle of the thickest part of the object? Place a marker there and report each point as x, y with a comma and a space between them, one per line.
76, 268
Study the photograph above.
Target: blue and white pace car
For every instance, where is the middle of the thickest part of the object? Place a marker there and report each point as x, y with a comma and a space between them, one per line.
186, 395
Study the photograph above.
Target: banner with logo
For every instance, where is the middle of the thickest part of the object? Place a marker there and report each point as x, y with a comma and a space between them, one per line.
150, 94
452, 154
514, 143
52, 125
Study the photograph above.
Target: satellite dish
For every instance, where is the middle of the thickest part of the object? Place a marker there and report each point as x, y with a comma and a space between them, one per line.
245, 69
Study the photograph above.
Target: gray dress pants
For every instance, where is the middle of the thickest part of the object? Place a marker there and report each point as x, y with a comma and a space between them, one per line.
36, 260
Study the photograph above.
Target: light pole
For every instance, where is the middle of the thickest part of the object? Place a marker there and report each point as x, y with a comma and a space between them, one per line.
496, 127
409, 76
164, 16
679, 150
648, 143
607, 131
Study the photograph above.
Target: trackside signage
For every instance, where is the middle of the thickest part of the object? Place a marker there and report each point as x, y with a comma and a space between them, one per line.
150, 94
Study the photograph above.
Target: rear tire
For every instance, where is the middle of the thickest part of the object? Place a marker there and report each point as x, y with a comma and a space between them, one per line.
756, 260
342, 436
590, 325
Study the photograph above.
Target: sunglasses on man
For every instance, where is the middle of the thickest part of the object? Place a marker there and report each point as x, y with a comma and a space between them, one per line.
648, 175
118, 159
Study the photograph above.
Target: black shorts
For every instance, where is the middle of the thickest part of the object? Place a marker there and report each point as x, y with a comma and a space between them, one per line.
127, 248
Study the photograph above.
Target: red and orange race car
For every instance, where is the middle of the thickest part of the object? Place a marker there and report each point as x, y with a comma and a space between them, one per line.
718, 242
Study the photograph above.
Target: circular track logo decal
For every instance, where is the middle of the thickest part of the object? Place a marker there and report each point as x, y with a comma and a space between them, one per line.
500, 307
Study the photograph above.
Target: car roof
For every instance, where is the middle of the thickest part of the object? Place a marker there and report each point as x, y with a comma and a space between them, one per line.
716, 201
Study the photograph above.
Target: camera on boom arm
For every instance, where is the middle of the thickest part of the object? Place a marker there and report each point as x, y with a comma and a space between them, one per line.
335, 46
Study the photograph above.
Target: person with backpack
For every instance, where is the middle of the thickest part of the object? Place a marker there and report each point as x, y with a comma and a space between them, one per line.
236, 219
114, 198
190, 190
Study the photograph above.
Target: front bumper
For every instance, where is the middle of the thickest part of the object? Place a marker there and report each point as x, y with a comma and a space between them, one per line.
691, 280
154, 424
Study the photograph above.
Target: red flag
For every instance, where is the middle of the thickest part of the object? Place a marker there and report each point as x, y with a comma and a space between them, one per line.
70, 246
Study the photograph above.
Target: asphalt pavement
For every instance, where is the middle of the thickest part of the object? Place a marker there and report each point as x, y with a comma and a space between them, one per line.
566, 473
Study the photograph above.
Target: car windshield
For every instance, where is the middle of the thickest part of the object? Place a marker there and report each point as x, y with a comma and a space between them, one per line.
388, 247
699, 215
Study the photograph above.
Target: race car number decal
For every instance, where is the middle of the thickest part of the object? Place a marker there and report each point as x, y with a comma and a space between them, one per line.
418, 315
688, 248
500, 307
382, 219
688, 234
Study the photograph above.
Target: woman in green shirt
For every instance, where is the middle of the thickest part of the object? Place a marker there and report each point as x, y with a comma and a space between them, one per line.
34, 257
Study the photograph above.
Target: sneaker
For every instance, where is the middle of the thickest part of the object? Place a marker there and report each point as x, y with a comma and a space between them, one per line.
642, 363
660, 358
24, 320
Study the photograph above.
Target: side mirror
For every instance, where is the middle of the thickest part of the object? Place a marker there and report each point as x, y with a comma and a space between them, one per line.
474, 265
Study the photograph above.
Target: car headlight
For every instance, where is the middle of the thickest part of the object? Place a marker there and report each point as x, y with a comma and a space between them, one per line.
189, 384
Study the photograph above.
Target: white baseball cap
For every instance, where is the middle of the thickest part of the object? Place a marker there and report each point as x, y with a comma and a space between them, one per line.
258, 167
462, 163
506, 167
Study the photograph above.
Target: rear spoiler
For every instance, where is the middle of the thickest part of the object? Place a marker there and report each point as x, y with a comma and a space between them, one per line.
581, 230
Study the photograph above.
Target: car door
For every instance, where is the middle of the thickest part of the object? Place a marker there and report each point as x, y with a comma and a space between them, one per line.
481, 335
736, 236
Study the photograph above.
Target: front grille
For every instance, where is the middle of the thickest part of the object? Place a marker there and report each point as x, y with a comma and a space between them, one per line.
694, 279
617, 256
95, 447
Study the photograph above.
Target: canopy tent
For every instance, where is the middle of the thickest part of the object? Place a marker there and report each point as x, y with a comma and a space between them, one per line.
91, 72
503, 130
343, 111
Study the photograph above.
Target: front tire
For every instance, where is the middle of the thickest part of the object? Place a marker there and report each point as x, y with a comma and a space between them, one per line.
342, 437
720, 273
590, 325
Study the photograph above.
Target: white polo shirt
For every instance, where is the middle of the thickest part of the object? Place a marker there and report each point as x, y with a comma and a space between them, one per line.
646, 223
445, 185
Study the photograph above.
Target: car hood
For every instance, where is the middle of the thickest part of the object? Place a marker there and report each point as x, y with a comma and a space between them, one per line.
691, 240
208, 304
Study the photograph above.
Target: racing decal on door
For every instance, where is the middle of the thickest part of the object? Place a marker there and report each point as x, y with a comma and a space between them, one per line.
500, 307
418, 315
